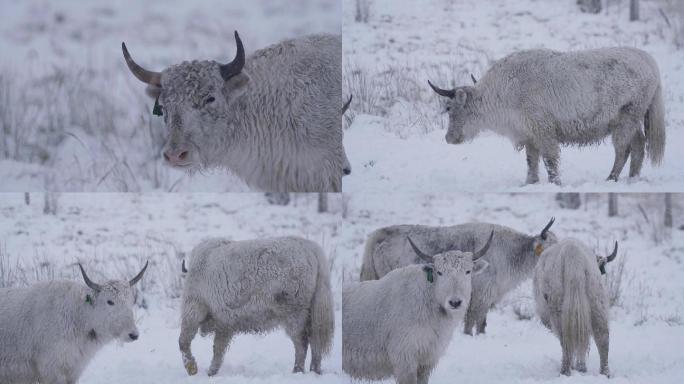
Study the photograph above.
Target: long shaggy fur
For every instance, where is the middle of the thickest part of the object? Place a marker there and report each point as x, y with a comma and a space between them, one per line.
49, 332
399, 326
572, 302
542, 99
276, 124
654, 127
254, 286
511, 258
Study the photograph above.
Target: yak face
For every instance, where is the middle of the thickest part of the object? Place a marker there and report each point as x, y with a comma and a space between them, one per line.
195, 99
460, 106
458, 109
112, 308
113, 312
195, 102
452, 273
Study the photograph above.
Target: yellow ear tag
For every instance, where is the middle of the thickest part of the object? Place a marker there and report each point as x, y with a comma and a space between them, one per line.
538, 249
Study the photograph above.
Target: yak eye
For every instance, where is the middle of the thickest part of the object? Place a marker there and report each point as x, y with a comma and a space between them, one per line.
448, 109
210, 99
110, 302
467, 272
439, 273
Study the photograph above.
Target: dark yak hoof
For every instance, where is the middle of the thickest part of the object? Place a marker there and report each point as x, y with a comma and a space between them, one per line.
613, 178
298, 369
316, 370
191, 367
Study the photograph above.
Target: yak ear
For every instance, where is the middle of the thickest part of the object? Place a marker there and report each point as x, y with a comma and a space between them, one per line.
236, 86
153, 91
479, 266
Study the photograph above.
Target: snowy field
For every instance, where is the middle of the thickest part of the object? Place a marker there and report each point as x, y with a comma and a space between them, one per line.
395, 128
74, 118
647, 323
113, 234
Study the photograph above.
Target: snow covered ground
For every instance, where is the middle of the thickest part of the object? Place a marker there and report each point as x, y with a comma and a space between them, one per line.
113, 234
647, 324
74, 118
396, 137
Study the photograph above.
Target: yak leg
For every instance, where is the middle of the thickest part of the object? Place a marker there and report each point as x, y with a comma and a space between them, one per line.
532, 154
599, 325
551, 158
193, 314
299, 334
221, 341
623, 133
636, 154
407, 373
469, 321
424, 374
476, 316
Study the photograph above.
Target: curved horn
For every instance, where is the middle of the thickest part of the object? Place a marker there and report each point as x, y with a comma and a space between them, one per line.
481, 252
473, 79
347, 104
149, 77
139, 275
546, 229
421, 254
89, 283
183, 269
234, 67
450, 93
613, 255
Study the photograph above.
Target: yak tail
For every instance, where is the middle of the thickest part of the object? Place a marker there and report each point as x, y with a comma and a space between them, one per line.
575, 313
654, 127
368, 271
322, 313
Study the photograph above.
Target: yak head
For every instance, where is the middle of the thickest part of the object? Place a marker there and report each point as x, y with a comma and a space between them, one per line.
601, 261
544, 239
460, 107
112, 308
195, 99
450, 275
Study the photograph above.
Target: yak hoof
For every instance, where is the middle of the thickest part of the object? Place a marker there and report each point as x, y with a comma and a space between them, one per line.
613, 178
191, 367
565, 371
212, 371
316, 370
298, 369
533, 180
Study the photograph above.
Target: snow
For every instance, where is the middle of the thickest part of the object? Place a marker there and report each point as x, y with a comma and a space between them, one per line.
115, 233
396, 137
646, 326
75, 119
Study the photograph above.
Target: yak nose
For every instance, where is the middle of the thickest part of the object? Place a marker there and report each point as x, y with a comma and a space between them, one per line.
133, 336
176, 156
347, 171
455, 303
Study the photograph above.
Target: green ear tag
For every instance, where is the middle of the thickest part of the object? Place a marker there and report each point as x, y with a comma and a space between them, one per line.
89, 300
429, 275
157, 110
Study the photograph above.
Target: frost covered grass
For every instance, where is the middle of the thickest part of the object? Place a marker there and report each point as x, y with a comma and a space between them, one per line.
73, 118
388, 60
